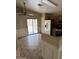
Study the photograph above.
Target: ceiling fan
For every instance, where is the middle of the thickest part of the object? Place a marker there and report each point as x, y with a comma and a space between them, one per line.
24, 12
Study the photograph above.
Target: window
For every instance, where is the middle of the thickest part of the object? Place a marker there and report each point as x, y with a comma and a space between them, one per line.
32, 26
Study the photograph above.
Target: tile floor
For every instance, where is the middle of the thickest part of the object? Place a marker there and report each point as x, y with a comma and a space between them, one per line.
29, 46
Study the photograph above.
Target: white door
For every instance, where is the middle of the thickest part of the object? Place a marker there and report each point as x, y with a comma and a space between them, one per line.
32, 26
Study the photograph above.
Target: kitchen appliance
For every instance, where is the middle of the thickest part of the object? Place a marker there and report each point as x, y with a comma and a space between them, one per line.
58, 32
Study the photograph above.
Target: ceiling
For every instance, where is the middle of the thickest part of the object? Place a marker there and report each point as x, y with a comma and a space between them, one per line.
33, 5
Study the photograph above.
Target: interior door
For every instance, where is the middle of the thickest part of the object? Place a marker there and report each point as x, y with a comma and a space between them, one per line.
32, 26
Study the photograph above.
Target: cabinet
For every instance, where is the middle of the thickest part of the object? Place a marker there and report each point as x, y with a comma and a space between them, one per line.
48, 51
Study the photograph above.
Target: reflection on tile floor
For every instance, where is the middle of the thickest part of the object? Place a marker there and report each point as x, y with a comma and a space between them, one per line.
30, 46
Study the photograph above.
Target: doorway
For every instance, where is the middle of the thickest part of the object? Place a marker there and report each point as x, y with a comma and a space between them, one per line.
32, 26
